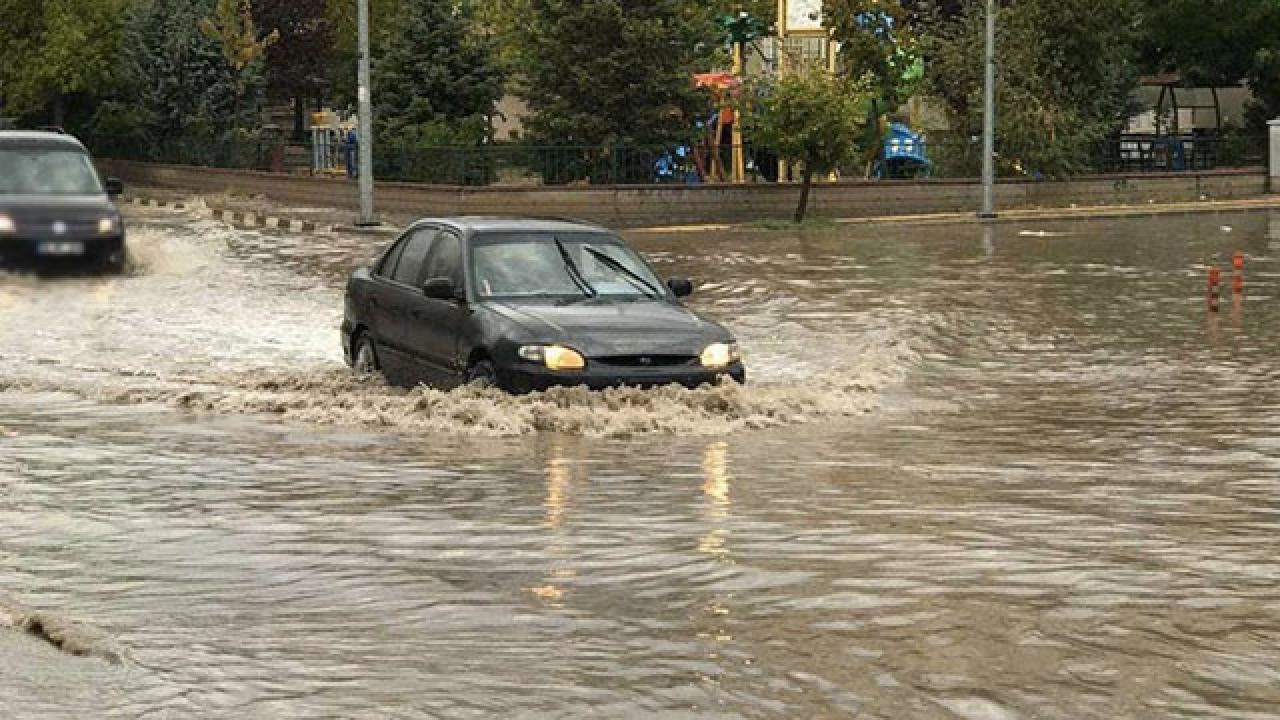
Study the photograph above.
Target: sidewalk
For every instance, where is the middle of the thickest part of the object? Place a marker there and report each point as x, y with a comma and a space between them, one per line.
1008, 216
260, 213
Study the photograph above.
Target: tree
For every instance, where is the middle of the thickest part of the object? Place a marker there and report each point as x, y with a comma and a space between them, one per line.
813, 118
877, 41
1216, 43
435, 85
1066, 73
340, 15
435, 71
614, 72
55, 49
296, 62
183, 93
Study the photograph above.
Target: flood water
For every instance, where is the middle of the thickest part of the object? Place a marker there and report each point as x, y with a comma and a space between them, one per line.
1018, 472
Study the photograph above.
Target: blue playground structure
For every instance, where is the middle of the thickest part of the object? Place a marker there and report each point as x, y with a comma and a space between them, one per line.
905, 155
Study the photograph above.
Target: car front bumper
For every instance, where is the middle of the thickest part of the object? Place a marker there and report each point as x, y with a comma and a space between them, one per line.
29, 252
529, 378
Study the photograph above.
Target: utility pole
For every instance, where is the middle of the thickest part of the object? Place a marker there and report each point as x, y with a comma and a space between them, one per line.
365, 101
989, 120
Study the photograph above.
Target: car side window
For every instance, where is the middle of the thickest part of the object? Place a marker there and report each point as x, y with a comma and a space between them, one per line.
388, 264
409, 268
446, 259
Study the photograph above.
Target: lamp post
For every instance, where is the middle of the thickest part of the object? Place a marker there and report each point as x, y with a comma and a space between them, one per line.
988, 211
365, 101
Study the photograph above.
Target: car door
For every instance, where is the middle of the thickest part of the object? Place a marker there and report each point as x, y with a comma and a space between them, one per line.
395, 303
369, 298
436, 322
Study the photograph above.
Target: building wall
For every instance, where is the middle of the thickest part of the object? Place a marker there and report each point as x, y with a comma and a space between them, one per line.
638, 206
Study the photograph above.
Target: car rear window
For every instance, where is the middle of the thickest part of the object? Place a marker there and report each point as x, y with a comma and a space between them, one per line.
36, 170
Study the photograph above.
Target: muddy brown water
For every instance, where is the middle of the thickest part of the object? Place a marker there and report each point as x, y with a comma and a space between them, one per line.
1013, 473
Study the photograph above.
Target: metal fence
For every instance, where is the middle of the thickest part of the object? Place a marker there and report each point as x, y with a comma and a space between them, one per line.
1151, 153
520, 164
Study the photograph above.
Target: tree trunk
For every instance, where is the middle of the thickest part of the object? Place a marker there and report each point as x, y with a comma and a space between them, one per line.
807, 183
297, 119
59, 110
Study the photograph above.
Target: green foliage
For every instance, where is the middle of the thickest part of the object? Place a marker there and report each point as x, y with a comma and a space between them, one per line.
231, 24
340, 16
615, 72
813, 118
877, 41
56, 48
434, 73
1218, 43
1066, 70
177, 94
304, 48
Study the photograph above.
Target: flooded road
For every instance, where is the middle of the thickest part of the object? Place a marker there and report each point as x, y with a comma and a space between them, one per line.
1014, 473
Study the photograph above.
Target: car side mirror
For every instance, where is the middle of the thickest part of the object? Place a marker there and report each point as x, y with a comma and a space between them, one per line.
115, 188
682, 287
440, 289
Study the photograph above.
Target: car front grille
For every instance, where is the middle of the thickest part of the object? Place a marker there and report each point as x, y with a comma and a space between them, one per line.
647, 361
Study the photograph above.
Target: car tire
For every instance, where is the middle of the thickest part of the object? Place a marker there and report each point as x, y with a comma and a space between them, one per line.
364, 358
482, 374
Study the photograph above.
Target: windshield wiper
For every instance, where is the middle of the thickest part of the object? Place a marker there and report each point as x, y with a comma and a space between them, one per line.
617, 266
574, 272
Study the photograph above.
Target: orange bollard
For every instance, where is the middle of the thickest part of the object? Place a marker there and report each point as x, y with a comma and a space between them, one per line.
1237, 280
1237, 260
1215, 279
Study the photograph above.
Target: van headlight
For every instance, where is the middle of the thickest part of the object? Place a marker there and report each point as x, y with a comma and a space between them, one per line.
554, 357
719, 355
107, 225
7, 227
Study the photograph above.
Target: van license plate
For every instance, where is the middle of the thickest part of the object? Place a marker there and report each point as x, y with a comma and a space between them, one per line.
61, 248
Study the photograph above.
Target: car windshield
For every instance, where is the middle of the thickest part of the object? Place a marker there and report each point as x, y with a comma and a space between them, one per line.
533, 265
40, 171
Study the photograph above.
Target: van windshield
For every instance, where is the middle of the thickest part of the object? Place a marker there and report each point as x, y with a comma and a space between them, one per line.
42, 171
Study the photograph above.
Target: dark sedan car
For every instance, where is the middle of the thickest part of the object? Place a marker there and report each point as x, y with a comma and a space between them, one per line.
54, 209
525, 305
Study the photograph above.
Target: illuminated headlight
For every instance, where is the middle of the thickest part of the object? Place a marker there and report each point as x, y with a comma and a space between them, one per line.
554, 357
107, 225
6, 225
720, 355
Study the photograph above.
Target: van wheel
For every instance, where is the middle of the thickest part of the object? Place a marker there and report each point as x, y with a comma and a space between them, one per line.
365, 360
483, 374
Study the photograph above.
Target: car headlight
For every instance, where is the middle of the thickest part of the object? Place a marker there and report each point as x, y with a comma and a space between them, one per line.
718, 355
7, 226
554, 357
107, 225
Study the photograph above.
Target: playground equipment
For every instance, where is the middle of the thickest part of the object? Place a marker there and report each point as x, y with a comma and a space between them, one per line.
723, 126
904, 154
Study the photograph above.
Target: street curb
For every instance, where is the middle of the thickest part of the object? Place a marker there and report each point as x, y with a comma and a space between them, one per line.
240, 219
1006, 217
153, 202
255, 221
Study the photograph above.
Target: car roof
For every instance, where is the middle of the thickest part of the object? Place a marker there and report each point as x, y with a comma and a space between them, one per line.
39, 138
482, 224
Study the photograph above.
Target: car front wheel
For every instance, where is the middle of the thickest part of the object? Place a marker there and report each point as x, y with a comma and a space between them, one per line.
483, 374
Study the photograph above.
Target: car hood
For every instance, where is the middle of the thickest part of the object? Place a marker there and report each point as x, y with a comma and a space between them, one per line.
602, 328
71, 209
